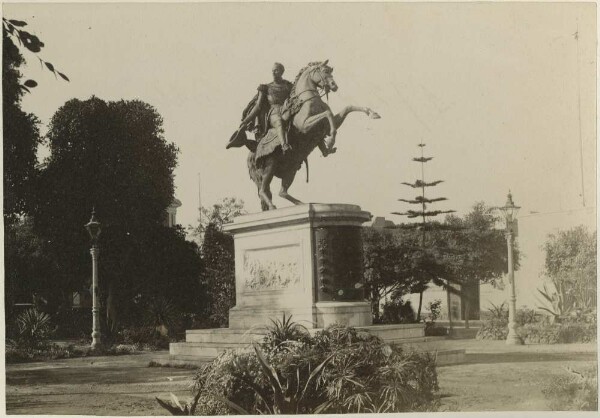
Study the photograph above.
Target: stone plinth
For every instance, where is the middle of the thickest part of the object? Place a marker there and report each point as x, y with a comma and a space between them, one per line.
304, 261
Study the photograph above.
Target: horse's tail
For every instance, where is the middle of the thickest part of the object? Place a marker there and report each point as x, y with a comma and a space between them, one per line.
306, 165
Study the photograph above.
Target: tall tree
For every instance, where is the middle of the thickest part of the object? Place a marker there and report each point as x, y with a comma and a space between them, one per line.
396, 263
13, 29
20, 136
219, 274
218, 257
111, 156
423, 201
570, 265
217, 215
23, 251
27, 267
477, 250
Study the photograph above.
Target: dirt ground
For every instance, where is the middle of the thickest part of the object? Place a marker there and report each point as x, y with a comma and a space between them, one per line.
493, 378
113, 385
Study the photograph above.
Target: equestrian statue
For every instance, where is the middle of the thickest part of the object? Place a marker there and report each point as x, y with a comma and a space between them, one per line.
289, 121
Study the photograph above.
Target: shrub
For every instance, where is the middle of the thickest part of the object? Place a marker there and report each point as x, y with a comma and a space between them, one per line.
494, 329
73, 323
33, 329
338, 370
398, 312
126, 348
21, 354
577, 332
526, 316
435, 309
433, 331
161, 314
146, 337
574, 391
540, 333
280, 332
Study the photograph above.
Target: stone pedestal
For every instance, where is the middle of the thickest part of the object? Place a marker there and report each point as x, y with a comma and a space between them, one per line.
304, 261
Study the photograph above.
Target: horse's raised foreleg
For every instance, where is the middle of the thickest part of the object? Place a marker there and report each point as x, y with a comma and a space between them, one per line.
312, 121
286, 182
341, 116
264, 189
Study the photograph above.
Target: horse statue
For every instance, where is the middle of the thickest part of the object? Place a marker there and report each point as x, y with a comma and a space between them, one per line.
310, 121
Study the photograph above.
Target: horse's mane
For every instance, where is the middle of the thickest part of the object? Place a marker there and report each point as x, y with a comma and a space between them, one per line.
307, 67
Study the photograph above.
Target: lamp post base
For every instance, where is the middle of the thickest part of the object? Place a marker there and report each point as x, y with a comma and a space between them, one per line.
513, 339
96, 340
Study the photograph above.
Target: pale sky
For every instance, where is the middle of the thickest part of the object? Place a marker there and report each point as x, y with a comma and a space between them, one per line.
503, 94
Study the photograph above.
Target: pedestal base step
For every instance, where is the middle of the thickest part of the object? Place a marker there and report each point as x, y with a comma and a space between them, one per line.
206, 344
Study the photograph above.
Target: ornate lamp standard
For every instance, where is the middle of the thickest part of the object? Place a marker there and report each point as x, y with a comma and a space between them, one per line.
510, 213
93, 227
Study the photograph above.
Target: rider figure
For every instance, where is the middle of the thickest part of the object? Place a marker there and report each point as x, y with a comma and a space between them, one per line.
264, 110
267, 107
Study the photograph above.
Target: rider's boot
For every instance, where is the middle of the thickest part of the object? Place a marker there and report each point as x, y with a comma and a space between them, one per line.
285, 145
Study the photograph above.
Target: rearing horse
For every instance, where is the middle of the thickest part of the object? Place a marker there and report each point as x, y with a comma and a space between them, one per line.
312, 121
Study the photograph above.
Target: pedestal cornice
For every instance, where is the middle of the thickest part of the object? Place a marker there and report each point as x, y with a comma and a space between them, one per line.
313, 214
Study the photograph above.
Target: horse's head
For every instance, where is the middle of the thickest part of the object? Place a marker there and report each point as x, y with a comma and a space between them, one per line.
322, 75
315, 74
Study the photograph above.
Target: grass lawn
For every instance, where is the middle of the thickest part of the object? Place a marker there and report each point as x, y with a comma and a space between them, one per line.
505, 381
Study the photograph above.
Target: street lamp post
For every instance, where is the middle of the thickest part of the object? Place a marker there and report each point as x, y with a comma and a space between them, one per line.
93, 227
510, 213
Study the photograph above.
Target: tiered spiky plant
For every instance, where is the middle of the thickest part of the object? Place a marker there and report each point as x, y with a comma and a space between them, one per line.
424, 213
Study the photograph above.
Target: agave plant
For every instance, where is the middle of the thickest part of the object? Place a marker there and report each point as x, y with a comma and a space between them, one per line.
499, 311
161, 314
34, 327
560, 304
176, 408
288, 393
282, 331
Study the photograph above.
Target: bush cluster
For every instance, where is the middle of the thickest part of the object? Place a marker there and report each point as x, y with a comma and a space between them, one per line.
145, 337
541, 333
338, 370
21, 354
493, 329
537, 329
398, 312
431, 330
29, 340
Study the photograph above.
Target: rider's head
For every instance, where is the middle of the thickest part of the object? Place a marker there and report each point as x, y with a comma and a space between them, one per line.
278, 70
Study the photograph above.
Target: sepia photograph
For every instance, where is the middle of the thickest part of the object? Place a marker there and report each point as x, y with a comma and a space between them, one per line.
247, 208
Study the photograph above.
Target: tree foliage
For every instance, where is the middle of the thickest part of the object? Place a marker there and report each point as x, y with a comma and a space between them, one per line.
427, 264
219, 274
396, 263
28, 269
218, 214
112, 156
218, 277
570, 266
478, 251
14, 29
20, 137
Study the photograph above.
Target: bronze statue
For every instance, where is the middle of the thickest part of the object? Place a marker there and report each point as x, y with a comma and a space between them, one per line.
310, 123
265, 107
